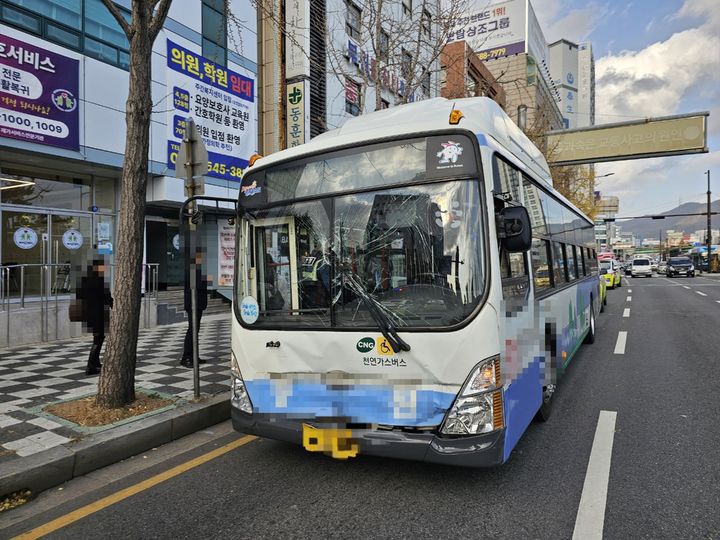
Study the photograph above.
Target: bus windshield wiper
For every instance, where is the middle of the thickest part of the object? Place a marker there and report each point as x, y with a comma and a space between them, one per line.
384, 323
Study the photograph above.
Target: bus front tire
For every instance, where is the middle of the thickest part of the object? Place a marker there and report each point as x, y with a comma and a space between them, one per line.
545, 411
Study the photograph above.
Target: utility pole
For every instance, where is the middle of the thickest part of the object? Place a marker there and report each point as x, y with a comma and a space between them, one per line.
709, 228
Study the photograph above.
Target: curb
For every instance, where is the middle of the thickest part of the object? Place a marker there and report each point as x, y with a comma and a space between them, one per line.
54, 466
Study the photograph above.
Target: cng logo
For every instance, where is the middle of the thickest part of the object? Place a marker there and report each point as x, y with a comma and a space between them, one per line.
366, 344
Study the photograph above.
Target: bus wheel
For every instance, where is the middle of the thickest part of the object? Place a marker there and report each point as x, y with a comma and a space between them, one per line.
545, 411
590, 336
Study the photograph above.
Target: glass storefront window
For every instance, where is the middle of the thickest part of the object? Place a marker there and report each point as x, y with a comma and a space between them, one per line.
104, 193
57, 192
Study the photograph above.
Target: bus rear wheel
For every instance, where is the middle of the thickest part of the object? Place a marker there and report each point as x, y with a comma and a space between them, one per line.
590, 336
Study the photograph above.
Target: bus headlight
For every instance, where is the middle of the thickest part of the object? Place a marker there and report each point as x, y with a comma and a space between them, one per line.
240, 397
479, 405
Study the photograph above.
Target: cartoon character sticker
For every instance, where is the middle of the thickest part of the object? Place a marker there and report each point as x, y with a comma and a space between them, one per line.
450, 152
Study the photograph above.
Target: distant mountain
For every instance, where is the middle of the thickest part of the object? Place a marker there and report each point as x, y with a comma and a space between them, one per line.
649, 228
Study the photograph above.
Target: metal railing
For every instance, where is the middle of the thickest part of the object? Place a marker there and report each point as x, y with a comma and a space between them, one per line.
32, 285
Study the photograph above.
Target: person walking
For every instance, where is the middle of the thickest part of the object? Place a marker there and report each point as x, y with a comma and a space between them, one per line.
202, 290
95, 300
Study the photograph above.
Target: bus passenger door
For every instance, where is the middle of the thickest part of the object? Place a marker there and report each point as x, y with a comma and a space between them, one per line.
522, 369
275, 264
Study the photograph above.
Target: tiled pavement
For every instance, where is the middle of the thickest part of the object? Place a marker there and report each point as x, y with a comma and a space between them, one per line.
32, 376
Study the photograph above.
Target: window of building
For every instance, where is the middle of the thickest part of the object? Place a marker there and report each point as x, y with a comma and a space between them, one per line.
65, 12
102, 26
407, 7
85, 26
353, 20
426, 23
352, 97
214, 31
426, 84
384, 44
384, 104
406, 64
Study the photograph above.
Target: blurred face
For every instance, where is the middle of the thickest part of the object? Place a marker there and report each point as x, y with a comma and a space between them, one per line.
99, 268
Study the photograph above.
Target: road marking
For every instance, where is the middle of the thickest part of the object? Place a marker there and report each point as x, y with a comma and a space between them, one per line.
80, 513
718, 301
591, 512
629, 291
620, 343
626, 312
701, 293
628, 299
686, 287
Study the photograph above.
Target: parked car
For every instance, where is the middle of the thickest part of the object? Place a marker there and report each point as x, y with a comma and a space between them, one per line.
654, 265
680, 266
662, 267
641, 267
610, 272
627, 268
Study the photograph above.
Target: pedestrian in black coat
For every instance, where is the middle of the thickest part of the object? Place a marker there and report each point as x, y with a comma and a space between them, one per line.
94, 295
202, 291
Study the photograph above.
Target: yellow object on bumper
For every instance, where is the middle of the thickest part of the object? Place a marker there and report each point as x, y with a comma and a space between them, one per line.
338, 443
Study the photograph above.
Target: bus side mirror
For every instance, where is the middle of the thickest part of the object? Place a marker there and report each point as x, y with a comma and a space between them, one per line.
514, 229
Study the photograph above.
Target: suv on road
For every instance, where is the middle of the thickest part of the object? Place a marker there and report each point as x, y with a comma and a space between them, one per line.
641, 267
680, 266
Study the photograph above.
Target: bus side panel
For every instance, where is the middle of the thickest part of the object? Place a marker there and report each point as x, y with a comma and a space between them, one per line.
522, 401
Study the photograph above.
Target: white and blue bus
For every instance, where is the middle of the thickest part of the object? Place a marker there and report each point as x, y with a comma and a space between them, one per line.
409, 285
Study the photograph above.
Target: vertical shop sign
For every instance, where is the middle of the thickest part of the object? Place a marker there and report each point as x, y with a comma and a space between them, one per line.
222, 103
226, 254
297, 113
38, 95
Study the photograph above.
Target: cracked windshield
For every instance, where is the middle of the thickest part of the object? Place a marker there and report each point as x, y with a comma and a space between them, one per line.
415, 253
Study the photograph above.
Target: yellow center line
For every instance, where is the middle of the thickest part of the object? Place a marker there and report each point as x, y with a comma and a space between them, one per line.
80, 513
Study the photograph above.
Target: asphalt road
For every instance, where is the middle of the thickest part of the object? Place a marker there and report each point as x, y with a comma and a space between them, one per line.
664, 479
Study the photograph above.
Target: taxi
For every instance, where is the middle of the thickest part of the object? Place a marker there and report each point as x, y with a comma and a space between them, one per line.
610, 272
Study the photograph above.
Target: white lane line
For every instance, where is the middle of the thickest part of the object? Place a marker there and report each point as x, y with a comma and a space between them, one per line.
718, 301
591, 512
628, 299
685, 287
626, 312
620, 343
629, 291
701, 293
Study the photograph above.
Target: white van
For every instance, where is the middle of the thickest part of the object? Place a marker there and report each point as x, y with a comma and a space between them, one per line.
641, 267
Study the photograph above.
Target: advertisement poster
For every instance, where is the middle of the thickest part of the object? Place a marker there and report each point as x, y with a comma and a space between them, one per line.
38, 95
226, 254
222, 103
493, 31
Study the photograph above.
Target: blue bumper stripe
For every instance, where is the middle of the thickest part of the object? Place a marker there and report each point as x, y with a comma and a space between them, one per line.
364, 404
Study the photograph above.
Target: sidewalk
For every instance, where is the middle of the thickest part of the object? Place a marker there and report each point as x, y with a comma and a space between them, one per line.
32, 376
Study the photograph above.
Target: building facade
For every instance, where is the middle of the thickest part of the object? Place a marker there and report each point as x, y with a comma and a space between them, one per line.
62, 126
339, 59
464, 75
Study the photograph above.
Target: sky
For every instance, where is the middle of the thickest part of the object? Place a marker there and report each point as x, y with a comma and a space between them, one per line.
652, 58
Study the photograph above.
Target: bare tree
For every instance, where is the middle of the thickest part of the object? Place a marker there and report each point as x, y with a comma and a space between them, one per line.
117, 381
390, 46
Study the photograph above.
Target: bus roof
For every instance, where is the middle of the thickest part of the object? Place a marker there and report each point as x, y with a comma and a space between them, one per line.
481, 116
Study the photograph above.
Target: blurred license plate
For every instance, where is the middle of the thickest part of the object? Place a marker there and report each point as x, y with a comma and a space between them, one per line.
336, 442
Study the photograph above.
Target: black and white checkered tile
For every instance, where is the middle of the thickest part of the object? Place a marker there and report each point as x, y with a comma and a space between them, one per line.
34, 375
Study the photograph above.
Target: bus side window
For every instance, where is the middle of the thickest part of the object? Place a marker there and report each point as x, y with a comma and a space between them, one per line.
558, 264
541, 265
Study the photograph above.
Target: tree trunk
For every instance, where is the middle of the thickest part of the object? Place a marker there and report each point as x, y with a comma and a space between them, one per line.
117, 381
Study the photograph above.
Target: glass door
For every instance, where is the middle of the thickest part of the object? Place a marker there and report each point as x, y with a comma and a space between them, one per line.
71, 250
24, 242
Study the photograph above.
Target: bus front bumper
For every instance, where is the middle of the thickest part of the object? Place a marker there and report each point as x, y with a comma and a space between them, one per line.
475, 451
